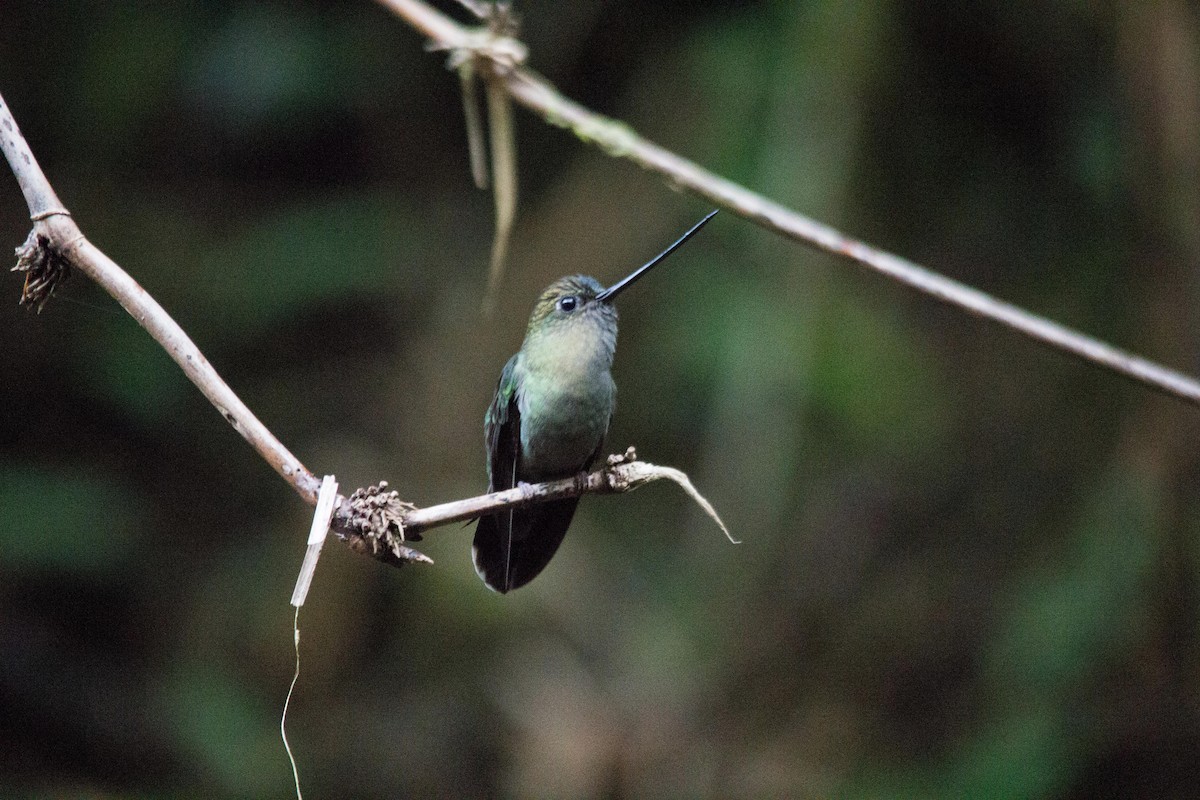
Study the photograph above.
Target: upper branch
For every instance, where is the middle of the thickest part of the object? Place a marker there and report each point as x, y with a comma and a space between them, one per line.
618, 140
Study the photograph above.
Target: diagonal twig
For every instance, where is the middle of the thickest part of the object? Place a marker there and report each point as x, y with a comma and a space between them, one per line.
56, 235
56, 244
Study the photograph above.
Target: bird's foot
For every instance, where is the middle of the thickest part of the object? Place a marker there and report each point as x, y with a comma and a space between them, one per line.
628, 457
616, 480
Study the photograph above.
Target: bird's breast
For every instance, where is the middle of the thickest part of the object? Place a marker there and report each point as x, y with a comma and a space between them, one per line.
564, 418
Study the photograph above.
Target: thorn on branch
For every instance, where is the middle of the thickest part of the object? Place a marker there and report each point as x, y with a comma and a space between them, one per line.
370, 523
45, 268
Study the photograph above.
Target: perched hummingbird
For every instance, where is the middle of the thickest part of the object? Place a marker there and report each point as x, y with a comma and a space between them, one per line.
549, 417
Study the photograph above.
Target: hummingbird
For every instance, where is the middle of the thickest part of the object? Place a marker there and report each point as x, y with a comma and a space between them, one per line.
549, 417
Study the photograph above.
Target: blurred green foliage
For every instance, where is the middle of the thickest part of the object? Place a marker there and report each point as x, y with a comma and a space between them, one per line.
970, 566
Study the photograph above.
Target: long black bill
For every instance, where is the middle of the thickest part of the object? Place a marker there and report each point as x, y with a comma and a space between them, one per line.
610, 294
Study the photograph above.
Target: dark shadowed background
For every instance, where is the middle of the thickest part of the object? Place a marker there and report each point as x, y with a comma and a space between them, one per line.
970, 566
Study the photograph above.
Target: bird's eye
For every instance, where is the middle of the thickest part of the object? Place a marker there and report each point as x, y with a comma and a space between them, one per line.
568, 304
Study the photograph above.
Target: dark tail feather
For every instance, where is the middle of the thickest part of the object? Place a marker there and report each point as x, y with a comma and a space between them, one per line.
536, 534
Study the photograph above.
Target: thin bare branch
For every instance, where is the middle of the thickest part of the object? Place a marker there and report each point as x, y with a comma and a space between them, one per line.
623, 473
619, 141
